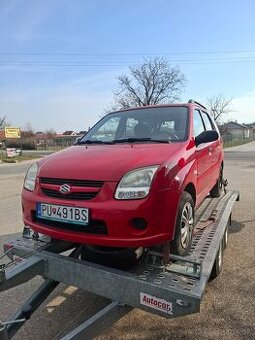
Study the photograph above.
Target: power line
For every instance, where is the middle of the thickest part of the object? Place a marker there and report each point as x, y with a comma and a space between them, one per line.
119, 63
124, 53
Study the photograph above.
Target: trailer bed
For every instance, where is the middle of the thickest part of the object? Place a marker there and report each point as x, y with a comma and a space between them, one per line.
169, 291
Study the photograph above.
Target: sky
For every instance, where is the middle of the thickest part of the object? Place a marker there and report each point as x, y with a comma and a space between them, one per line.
59, 60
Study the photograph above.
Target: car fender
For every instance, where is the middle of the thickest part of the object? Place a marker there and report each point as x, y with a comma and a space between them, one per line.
183, 177
186, 175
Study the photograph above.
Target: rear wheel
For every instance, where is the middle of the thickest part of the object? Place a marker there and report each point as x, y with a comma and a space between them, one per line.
184, 226
217, 189
217, 263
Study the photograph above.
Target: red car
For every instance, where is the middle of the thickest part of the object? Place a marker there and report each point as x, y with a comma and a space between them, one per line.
133, 180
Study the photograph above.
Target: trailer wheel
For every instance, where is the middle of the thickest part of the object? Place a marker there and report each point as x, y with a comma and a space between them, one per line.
217, 267
217, 189
121, 258
184, 226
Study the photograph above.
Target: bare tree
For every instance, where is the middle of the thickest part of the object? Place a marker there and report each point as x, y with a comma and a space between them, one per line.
27, 130
153, 82
50, 133
3, 122
218, 106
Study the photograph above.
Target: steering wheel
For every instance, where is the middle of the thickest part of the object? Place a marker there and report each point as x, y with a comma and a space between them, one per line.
169, 135
175, 137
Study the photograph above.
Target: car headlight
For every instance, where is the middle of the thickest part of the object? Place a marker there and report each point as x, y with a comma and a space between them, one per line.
29, 182
136, 183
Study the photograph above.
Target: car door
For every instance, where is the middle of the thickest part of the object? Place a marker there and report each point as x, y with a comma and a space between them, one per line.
202, 158
215, 153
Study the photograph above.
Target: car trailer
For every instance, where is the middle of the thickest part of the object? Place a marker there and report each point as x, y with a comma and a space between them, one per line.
169, 290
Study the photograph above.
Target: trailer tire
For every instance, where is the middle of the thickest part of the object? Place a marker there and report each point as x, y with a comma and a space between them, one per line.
217, 189
120, 258
217, 266
181, 243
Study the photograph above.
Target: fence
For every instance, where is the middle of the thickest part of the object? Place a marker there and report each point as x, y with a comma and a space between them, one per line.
234, 142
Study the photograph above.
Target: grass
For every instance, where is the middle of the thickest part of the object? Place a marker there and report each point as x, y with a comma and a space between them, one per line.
16, 159
229, 144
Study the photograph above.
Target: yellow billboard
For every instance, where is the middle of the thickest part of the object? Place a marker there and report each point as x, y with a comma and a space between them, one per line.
12, 132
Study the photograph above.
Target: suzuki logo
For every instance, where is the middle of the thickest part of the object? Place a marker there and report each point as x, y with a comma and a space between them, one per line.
65, 189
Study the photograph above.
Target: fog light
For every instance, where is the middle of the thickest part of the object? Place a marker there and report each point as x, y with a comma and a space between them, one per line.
139, 223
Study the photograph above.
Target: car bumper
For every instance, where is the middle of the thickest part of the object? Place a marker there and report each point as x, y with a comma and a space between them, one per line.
111, 221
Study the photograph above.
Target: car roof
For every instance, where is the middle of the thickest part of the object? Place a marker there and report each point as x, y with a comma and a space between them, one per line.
191, 103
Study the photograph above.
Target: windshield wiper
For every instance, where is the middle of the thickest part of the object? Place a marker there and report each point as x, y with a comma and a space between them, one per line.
89, 141
123, 140
133, 140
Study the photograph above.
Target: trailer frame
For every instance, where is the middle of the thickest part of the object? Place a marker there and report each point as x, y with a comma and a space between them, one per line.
171, 290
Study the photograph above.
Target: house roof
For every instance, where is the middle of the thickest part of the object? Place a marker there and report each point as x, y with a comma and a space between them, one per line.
234, 125
250, 125
69, 133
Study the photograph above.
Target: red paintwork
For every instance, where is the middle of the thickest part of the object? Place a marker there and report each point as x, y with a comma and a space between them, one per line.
179, 162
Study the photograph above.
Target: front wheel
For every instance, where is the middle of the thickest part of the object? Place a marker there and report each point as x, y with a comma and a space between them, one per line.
184, 226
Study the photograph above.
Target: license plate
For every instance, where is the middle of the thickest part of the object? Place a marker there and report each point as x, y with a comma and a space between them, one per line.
62, 213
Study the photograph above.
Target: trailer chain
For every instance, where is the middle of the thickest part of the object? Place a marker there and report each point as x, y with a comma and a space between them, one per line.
14, 261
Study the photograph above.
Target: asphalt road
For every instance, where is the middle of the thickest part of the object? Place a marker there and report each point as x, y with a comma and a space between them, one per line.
228, 307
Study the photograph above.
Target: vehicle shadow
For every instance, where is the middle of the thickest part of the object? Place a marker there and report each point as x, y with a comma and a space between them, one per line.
236, 226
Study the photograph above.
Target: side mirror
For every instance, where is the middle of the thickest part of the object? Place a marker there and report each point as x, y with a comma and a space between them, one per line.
206, 137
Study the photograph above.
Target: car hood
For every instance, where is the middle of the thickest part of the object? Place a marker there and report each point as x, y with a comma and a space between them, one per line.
105, 162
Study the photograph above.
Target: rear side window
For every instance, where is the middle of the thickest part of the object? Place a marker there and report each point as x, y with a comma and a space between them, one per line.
207, 121
198, 123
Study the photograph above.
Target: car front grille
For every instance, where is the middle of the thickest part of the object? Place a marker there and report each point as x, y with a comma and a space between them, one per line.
80, 189
71, 196
73, 182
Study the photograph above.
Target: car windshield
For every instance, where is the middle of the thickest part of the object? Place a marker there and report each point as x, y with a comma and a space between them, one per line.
155, 124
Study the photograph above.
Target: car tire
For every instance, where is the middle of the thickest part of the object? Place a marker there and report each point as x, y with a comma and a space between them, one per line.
217, 266
217, 189
120, 258
184, 226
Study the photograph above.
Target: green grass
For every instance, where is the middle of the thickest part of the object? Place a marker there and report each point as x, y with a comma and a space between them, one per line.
229, 144
16, 159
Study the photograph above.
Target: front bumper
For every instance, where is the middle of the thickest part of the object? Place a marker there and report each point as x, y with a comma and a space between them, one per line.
113, 217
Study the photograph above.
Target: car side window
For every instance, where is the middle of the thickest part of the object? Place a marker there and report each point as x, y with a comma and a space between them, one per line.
198, 123
207, 121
